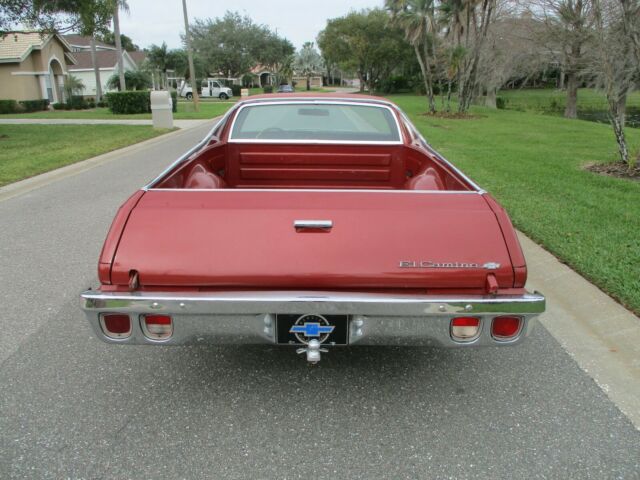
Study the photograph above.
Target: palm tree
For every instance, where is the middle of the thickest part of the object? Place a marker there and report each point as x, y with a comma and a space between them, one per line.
96, 69
158, 57
72, 85
119, 4
417, 19
308, 62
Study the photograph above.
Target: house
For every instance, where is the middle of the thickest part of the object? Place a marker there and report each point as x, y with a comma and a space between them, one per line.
33, 66
106, 58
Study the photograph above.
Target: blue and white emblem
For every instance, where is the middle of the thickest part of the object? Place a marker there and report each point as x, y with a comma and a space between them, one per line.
309, 327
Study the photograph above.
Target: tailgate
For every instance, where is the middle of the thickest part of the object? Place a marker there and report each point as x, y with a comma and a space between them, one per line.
227, 238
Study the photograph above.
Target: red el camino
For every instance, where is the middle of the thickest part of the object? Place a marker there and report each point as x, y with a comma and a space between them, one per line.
315, 221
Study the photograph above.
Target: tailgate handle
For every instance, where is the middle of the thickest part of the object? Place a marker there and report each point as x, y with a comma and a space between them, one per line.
313, 225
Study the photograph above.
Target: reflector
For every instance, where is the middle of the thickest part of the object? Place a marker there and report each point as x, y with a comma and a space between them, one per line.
505, 327
116, 325
157, 327
465, 328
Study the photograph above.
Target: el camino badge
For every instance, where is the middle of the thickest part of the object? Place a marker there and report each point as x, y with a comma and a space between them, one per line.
441, 265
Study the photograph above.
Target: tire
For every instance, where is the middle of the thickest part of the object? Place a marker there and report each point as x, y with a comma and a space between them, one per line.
189, 96
224, 96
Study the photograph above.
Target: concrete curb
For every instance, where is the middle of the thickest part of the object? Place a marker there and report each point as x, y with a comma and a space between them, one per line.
601, 335
28, 184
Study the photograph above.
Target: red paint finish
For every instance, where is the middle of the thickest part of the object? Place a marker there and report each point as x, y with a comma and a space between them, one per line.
230, 238
197, 230
113, 237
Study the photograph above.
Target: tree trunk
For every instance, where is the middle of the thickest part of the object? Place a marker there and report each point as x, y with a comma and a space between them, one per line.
491, 100
622, 110
562, 78
308, 83
96, 70
618, 131
571, 110
116, 34
192, 70
426, 76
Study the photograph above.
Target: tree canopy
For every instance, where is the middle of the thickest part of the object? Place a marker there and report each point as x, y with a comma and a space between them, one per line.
233, 44
365, 43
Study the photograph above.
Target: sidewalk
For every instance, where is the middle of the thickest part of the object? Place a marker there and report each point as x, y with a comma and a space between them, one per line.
183, 124
600, 334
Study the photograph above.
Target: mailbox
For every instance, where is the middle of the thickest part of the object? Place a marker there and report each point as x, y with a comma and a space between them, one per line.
161, 109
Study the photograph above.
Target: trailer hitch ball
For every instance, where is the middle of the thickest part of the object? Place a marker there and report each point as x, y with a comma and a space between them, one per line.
313, 351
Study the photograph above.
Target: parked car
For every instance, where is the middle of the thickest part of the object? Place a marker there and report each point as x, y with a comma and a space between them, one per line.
315, 221
285, 89
210, 88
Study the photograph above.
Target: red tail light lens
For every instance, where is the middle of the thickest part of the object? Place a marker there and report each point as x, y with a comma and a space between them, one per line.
465, 328
157, 327
506, 327
115, 325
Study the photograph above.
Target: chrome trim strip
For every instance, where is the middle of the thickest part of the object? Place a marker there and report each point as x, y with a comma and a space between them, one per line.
330, 190
190, 152
247, 302
313, 224
432, 150
328, 101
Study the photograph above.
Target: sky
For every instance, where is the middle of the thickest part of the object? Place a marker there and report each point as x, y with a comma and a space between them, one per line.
152, 21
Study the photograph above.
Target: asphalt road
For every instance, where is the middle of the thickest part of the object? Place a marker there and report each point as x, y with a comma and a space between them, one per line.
72, 407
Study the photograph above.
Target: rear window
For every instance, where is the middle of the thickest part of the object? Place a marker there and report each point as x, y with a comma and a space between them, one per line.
316, 122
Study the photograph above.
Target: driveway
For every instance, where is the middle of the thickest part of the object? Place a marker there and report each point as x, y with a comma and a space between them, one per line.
73, 407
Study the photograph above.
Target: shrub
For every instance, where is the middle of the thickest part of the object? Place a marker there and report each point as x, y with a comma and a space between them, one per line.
267, 89
174, 101
91, 103
129, 102
78, 102
59, 106
501, 103
235, 89
101, 104
34, 105
8, 106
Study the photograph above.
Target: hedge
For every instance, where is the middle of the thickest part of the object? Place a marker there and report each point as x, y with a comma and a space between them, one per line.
34, 105
129, 102
135, 101
8, 106
267, 89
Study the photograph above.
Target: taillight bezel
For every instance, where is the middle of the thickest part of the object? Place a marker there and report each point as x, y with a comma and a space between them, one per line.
511, 338
111, 335
459, 339
154, 336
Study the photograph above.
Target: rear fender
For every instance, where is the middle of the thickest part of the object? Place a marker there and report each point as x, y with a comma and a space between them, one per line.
113, 237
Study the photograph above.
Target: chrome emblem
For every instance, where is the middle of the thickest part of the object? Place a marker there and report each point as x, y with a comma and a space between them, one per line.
443, 265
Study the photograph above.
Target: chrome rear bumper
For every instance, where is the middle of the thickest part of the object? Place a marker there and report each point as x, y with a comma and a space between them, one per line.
249, 317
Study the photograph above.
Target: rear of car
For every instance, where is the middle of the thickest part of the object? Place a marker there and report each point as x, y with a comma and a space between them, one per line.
313, 223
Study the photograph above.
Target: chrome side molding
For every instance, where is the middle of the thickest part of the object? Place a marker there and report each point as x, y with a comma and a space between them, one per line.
300, 225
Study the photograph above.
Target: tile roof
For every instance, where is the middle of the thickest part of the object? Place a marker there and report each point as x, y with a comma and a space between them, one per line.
138, 56
104, 59
17, 45
82, 41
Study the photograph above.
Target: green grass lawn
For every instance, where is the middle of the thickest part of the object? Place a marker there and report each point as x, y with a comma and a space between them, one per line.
208, 109
549, 100
27, 150
533, 165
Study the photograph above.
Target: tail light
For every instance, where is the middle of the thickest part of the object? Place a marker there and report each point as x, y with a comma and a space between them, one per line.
115, 325
465, 328
157, 327
506, 327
